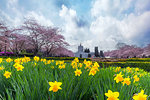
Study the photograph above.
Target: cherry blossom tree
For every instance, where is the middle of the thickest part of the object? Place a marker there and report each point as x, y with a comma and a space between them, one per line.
43, 38
61, 51
127, 51
53, 40
131, 51
146, 51
34, 33
18, 43
5, 35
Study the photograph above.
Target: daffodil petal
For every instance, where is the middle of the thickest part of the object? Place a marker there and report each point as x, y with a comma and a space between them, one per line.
51, 83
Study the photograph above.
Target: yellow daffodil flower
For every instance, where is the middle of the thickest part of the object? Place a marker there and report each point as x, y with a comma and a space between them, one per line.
7, 74
9, 60
55, 86
1, 68
140, 96
112, 95
126, 81
119, 78
92, 72
136, 78
36, 58
78, 72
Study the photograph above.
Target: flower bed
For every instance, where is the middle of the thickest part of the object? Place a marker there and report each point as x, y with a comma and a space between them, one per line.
55, 80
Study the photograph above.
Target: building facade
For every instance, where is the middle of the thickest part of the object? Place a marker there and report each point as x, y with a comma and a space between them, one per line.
80, 53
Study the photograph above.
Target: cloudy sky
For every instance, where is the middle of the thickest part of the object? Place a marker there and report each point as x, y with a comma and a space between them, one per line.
101, 23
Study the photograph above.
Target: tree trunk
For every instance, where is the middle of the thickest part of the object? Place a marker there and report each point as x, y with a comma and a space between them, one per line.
5, 47
35, 52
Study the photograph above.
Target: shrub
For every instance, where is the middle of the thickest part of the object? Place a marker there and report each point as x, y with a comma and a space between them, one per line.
6, 54
142, 65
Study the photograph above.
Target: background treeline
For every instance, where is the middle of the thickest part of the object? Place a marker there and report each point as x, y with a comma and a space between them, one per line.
129, 51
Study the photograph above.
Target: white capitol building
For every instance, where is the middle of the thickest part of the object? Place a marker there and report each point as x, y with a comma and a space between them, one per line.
80, 53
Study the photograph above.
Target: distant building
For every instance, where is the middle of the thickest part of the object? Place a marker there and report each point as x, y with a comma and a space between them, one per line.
96, 52
101, 54
80, 53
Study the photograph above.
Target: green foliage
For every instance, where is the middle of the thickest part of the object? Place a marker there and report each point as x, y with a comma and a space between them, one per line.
26, 54
139, 59
66, 58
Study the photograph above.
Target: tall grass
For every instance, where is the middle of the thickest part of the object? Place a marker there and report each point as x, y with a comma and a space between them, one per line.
32, 82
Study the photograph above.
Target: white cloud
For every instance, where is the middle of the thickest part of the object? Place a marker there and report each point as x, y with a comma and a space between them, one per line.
67, 13
135, 26
106, 31
12, 7
128, 30
73, 34
141, 6
14, 15
110, 7
120, 21
18, 20
11, 3
9, 20
40, 18
69, 16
